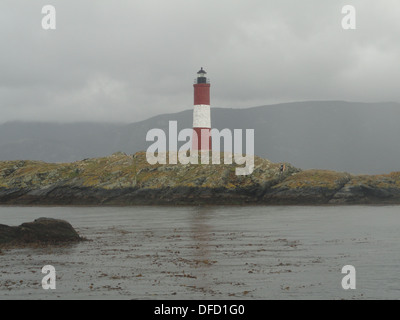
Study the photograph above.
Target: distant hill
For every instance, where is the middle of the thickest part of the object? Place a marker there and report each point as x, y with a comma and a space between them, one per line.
335, 135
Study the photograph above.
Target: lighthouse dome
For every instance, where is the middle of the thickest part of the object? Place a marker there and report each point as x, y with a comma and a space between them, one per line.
201, 71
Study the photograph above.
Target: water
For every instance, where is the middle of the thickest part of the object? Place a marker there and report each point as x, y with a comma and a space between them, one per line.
210, 253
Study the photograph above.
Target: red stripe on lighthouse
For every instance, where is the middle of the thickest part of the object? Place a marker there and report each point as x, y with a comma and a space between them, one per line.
201, 139
201, 93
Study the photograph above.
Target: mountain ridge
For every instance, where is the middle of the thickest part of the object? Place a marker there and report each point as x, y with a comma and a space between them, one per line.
338, 135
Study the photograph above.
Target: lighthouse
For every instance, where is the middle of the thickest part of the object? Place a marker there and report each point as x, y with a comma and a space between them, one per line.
201, 114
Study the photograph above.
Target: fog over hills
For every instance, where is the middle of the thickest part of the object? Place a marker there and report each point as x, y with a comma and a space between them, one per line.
336, 135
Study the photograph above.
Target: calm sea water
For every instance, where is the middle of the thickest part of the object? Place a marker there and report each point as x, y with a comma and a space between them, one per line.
210, 253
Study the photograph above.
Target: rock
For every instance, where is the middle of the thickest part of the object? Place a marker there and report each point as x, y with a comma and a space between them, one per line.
120, 179
7, 234
42, 230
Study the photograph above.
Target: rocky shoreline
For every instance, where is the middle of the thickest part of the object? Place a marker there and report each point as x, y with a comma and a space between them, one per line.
122, 179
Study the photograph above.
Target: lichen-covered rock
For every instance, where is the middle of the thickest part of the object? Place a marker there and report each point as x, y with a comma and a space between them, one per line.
365, 189
307, 187
122, 179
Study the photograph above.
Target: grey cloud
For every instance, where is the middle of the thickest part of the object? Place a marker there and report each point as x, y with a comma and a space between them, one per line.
129, 60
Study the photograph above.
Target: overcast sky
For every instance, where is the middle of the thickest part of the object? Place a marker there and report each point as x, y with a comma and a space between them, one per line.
120, 60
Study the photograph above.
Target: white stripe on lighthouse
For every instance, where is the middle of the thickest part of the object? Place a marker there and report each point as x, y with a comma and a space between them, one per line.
201, 116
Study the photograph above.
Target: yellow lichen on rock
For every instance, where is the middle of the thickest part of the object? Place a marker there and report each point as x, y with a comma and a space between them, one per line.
315, 178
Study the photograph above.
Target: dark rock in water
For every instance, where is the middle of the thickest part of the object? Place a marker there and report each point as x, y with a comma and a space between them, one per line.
42, 230
7, 234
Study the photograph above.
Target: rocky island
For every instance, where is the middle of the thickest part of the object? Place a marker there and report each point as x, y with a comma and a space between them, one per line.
122, 179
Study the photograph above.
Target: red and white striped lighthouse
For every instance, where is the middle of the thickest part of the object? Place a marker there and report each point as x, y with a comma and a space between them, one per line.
201, 113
